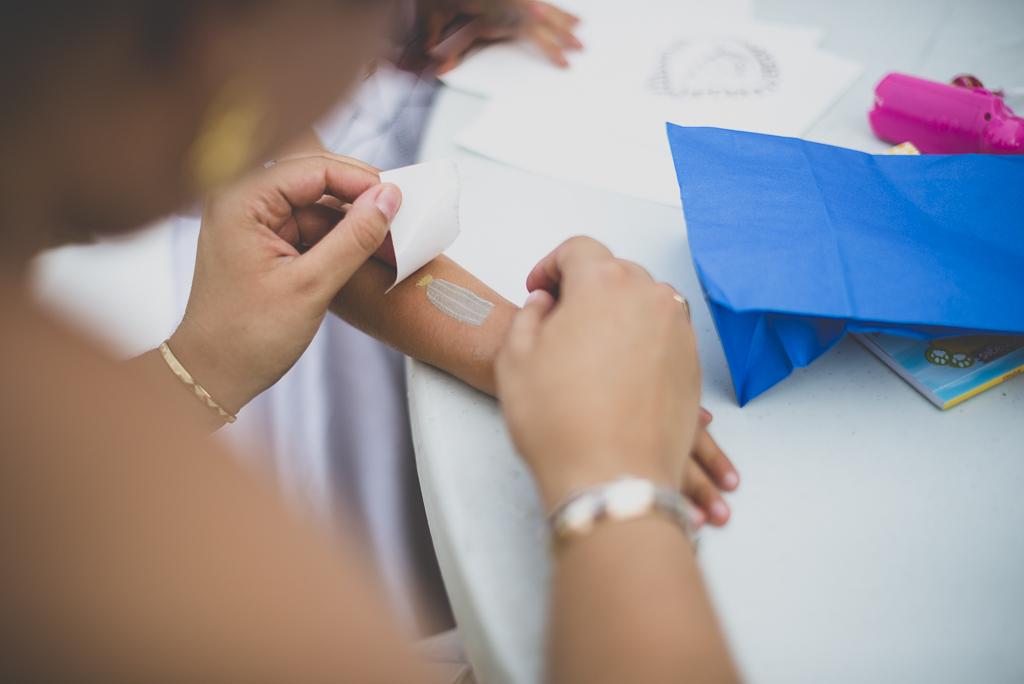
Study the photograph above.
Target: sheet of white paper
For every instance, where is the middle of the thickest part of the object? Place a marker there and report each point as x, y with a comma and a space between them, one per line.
427, 223
607, 129
641, 10
604, 28
514, 66
589, 155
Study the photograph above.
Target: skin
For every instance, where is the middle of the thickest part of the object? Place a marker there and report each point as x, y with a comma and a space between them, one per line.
137, 550
417, 329
405, 320
544, 25
582, 413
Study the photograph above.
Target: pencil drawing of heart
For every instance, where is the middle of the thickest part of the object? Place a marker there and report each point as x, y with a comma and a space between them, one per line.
693, 68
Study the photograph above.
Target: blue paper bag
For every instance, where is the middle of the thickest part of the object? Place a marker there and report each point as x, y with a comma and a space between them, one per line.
796, 243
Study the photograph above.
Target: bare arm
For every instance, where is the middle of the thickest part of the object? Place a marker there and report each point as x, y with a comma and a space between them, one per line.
408, 320
136, 550
600, 384
152, 369
630, 606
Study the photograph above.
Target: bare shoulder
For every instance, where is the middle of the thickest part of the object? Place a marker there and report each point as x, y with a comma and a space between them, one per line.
134, 546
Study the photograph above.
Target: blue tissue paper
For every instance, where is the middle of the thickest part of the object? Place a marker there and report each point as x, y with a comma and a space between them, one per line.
796, 243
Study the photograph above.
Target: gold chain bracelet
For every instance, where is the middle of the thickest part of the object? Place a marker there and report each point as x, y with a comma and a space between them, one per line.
197, 389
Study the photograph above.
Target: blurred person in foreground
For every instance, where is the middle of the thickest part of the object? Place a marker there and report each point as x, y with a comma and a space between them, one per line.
334, 431
134, 549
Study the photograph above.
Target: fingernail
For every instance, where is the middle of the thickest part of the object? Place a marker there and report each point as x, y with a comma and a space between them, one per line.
388, 200
731, 480
534, 296
719, 511
696, 516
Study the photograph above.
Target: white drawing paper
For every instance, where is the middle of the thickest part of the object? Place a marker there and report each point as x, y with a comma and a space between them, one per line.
427, 223
605, 125
605, 28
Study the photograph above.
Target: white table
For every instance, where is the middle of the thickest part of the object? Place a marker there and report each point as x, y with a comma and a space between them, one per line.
874, 537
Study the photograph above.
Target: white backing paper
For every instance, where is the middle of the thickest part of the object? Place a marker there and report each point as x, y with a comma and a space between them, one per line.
427, 223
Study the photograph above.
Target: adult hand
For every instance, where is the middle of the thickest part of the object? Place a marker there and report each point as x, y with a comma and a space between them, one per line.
603, 382
272, 254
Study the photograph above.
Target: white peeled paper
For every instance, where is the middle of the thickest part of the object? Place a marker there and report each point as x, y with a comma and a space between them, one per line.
427, 223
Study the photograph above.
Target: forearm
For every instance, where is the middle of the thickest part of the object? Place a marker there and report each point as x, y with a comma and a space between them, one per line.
428, 321
629, 605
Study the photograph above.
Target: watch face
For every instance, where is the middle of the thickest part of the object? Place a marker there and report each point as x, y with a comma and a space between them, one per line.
579, 516
628, 498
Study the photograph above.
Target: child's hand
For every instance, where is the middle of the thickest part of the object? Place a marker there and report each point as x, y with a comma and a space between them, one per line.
551, 29
450, 29
545, 25
708, 473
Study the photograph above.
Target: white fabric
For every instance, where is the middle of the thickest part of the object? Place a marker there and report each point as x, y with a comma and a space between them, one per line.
335, 428
445, 658
381, 125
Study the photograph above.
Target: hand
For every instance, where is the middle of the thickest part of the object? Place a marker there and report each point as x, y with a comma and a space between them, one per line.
319, 218
551, 30
271, 257
452, 28
708, 473
605, 381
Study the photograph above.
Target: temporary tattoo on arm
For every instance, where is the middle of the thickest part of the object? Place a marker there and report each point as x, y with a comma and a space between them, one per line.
456, 302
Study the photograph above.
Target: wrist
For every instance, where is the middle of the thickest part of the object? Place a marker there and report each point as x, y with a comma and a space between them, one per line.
210, 366
557, 483
619, 500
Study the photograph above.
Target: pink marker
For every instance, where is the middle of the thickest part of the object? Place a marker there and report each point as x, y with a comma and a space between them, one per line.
945, 119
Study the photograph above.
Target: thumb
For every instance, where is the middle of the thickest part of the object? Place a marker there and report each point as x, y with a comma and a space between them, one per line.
522, 334
341, 252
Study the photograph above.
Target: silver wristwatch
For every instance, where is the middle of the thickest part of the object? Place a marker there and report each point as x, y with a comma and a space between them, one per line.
623, 499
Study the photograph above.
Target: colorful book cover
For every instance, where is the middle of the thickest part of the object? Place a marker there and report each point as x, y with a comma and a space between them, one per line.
948, 370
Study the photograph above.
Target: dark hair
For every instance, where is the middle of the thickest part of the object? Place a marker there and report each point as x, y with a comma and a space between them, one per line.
35, 35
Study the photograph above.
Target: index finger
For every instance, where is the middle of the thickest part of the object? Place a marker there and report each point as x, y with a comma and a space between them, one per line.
320, 152
302, 182
574, 252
